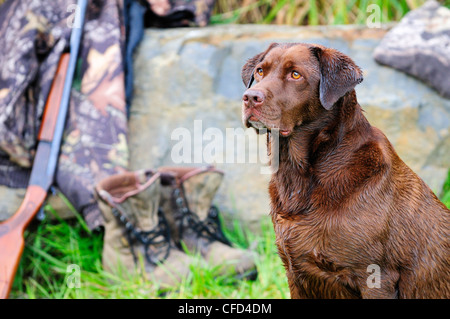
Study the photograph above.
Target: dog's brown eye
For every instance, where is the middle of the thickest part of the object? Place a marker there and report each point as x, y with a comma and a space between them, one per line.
260, 71
295, 75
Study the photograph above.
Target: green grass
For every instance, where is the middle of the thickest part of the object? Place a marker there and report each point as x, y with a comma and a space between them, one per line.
445, 195
310, 12
54, 244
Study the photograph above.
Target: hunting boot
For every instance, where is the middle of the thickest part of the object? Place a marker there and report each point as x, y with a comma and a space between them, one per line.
137, 236
187, 197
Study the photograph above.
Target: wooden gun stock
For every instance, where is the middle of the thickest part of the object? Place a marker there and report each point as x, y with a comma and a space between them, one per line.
11, 236
12, 230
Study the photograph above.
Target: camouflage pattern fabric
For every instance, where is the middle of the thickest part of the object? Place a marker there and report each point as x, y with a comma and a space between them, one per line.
33, 34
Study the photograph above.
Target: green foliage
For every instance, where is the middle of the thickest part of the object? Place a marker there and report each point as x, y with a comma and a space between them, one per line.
446, 191
310, 12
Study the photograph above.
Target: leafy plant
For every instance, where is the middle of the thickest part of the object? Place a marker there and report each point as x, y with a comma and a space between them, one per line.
445, 197
309, 12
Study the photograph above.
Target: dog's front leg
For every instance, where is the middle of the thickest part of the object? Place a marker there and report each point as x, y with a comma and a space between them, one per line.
291, 276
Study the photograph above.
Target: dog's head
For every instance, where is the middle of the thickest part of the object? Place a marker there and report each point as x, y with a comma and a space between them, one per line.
294, 83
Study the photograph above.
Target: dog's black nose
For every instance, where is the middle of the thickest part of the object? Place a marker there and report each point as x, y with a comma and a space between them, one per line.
253, 98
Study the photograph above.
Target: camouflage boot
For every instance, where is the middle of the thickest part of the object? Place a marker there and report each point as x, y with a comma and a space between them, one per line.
137, 237
194, 222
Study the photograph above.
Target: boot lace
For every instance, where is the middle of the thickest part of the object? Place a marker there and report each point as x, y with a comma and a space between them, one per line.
210, 228
156, 242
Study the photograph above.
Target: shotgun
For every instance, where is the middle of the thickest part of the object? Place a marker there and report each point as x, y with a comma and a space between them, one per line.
45, 160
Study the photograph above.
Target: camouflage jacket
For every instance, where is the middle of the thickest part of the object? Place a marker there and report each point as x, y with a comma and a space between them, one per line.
33, 34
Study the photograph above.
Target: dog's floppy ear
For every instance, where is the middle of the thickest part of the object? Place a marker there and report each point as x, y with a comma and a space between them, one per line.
249, 67
338, 75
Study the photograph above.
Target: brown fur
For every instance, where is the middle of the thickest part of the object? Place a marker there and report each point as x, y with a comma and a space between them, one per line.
342, 199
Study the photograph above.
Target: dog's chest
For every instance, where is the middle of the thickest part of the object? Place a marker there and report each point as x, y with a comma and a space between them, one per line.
309, 241
318, 234
315, 256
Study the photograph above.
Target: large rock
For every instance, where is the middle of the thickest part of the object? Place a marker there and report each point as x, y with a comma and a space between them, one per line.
188, 85
188, 89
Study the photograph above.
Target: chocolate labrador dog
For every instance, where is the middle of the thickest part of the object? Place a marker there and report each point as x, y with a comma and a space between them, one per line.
352, 220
